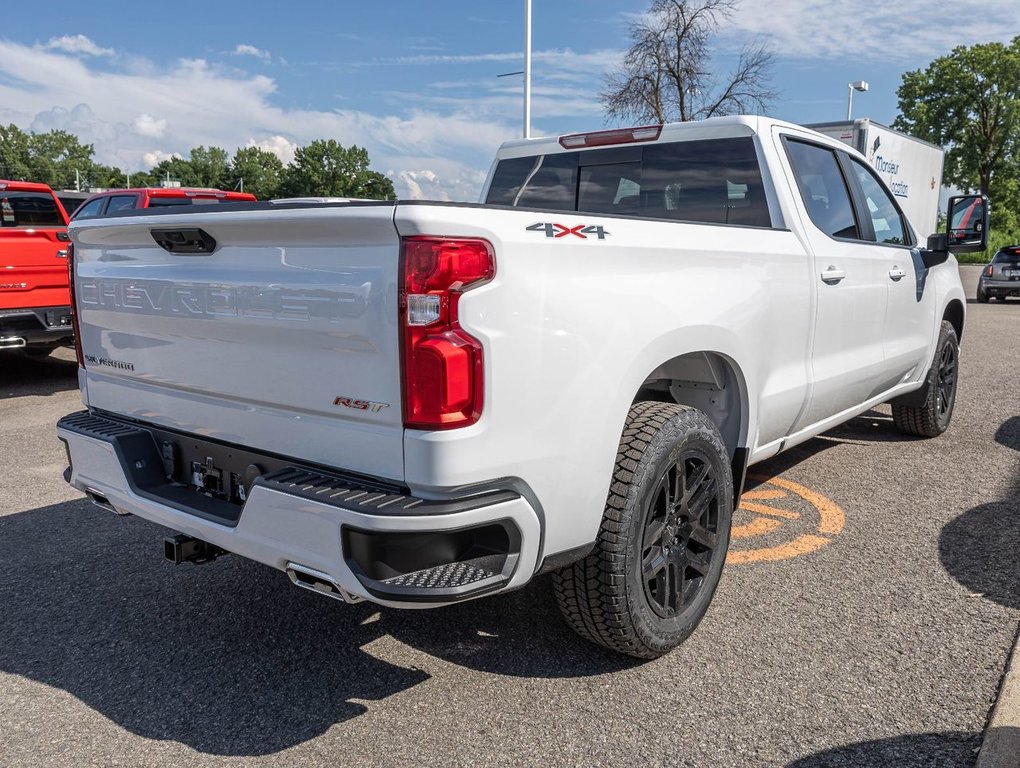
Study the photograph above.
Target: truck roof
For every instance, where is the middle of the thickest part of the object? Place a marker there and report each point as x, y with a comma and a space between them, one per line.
24, 186
712, 128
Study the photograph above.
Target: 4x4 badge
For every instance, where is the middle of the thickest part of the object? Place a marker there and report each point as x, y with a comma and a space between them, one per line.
552, 229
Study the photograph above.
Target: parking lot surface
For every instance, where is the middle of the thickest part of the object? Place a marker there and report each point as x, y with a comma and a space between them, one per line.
864, 618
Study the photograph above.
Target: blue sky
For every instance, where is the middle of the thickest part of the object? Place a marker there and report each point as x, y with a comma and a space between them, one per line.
416, 83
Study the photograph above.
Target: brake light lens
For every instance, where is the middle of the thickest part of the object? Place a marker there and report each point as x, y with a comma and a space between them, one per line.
74, 307
442, 364
614, 136
988, 271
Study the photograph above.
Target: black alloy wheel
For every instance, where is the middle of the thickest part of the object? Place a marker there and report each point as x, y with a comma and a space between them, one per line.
680, 534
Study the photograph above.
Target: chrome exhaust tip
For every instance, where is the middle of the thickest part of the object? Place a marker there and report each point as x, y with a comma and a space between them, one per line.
322, 583
12, 342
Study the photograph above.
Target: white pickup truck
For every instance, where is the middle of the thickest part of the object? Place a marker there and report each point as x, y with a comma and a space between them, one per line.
419, 403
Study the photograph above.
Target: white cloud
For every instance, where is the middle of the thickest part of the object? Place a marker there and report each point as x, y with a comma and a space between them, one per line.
820, 29
77, 44
147, 125
157, 156
243, 49
215, 106
282, 147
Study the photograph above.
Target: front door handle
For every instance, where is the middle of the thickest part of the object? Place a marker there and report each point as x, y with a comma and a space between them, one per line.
831, 275
62, 253
896, 274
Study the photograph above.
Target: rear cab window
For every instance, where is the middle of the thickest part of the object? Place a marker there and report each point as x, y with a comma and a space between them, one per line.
29, 209
715, 181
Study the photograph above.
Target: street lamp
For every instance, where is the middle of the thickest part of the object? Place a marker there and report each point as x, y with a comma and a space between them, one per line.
860, 85
527, 69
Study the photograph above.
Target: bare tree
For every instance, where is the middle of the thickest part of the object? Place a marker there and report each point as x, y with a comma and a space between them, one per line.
666, 75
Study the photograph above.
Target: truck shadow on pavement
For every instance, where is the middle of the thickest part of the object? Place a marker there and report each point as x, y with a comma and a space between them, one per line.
979, 548
931, 750
230, 658
21, 375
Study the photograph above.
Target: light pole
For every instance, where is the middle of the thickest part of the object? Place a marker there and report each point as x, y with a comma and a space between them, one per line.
860, 85
527, 69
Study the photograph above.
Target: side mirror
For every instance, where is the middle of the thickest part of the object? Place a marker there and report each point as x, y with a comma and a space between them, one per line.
967, 224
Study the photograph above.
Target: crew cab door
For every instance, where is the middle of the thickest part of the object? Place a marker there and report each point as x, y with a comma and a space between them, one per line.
848, 356
908, 331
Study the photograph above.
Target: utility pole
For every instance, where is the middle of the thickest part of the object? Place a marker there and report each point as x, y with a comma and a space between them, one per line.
527, 69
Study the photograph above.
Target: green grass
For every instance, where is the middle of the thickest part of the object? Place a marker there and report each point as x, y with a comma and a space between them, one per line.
996, 240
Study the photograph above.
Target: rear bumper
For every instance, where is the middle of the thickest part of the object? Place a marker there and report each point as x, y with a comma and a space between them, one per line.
1000, 287
389, 548
37, 327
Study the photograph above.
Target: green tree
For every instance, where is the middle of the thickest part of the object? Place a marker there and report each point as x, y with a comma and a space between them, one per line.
175, 169
969, 102
209, 166
15, 156
325, 168
260, 171
666, 73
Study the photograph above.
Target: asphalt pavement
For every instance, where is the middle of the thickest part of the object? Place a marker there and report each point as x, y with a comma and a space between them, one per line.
867, 623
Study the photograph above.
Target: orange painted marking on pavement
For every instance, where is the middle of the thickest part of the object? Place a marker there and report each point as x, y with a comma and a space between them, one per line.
755, 528
799, 546
831, 521
832, 517
760, 494
763, 509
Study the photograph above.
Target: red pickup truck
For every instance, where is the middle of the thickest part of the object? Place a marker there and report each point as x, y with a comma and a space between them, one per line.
35, 311
111, 201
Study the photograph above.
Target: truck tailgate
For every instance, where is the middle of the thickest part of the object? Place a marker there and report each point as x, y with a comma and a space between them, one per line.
283, 338
31, 272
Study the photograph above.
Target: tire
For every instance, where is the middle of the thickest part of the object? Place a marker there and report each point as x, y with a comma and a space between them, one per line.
932, 418
657, 561
981, 296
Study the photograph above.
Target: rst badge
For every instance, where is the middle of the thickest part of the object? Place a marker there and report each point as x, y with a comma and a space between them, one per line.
360, 405
582, 231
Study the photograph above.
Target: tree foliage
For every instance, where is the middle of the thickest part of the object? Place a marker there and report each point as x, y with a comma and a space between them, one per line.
256, 170
666, 74
325, 168
969, 102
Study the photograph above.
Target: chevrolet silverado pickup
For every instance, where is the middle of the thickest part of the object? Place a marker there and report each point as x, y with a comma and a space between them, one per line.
35, 312
419, 403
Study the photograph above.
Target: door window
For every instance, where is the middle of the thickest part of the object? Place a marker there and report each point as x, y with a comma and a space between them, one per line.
91, 209
121, 203
885, 216
823, 189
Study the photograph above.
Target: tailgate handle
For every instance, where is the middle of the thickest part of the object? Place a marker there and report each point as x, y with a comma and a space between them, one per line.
184, 241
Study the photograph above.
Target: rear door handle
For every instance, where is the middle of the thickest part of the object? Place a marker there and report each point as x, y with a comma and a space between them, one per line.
831, 276
896, 273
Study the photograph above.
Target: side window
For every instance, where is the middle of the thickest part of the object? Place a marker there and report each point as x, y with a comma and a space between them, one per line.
90, 210
121, 203
885, 216
716, 181
823, 189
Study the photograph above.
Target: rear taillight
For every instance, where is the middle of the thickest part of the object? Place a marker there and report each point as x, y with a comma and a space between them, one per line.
74, 307
443, 368
989, 270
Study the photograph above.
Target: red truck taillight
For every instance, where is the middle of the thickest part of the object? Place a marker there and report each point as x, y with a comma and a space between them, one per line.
74, 307
442, 363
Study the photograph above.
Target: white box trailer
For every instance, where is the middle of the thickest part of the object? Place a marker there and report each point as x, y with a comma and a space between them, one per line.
911, 167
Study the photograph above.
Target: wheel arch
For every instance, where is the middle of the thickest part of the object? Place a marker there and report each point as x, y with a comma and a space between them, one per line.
954, 314
708, 380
